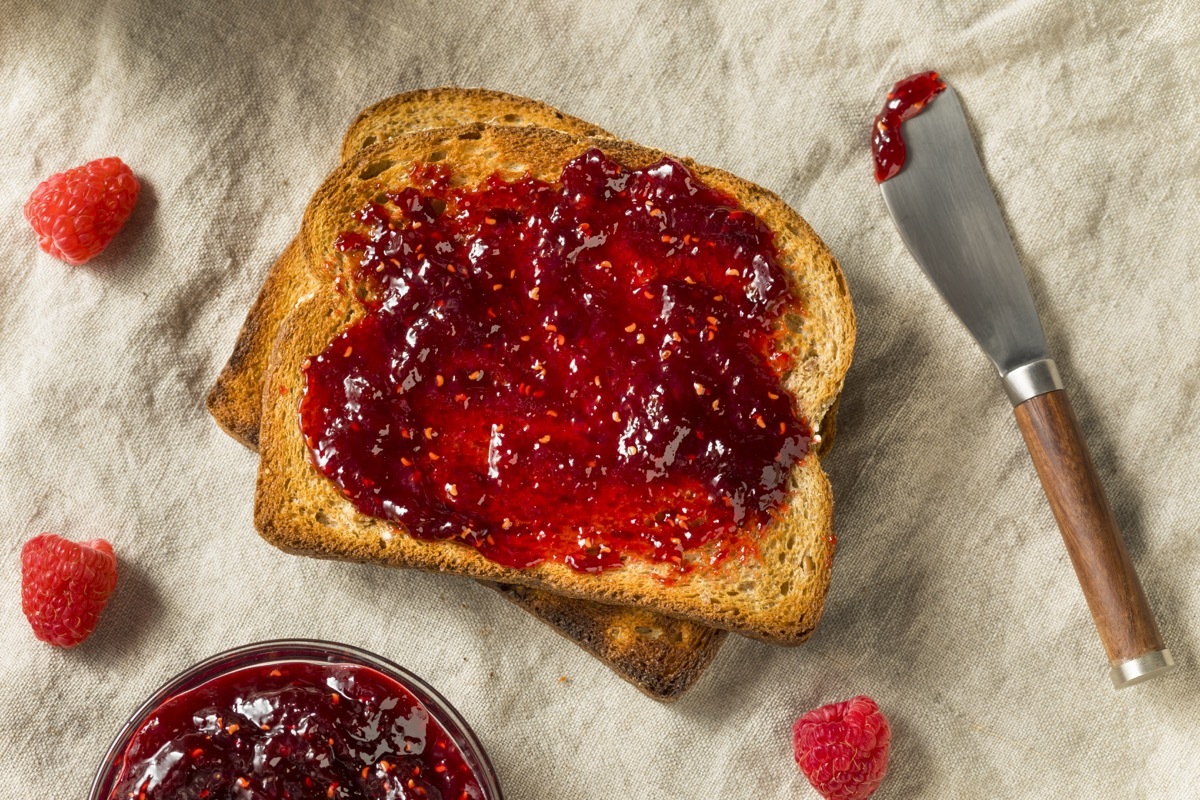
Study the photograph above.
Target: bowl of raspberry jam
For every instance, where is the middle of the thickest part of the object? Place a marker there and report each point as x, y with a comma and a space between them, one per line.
296, 719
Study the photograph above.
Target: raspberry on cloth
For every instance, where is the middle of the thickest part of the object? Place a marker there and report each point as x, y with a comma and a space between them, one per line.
65, 585
78, 212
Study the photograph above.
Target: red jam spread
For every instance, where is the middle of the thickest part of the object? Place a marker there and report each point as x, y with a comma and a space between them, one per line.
294, 730
904, 101
577, 372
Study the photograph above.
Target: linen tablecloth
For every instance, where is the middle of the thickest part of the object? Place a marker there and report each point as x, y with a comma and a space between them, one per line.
953, 602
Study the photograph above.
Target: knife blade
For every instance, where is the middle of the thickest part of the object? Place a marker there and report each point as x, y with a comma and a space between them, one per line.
948, 217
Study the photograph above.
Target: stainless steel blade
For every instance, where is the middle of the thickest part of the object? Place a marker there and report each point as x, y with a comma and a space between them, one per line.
948, 217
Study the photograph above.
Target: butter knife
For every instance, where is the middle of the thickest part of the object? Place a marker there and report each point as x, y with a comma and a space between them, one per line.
944, 208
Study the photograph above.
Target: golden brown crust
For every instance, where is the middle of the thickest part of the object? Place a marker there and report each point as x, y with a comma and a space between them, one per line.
659, 655
447, 106
235, 400
779, 597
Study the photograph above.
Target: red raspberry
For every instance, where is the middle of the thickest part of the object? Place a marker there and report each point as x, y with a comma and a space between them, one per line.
77, 213
842, 748
65, 585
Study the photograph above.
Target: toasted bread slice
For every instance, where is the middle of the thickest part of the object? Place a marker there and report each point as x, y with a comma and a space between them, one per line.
777, 596
661, 656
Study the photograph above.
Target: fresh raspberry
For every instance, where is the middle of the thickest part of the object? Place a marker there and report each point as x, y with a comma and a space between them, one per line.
77, 213
842, 748
65, 585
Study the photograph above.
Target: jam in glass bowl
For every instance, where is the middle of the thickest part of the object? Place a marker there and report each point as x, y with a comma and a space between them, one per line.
295, 719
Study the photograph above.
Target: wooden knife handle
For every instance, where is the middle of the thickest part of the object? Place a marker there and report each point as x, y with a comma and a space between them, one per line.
1110, 585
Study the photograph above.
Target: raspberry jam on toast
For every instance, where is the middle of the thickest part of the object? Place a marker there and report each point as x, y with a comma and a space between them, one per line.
577, 372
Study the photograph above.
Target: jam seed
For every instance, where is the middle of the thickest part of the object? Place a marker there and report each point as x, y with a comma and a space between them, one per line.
245, 784
428, 433
631, 449
641, 338
452, 489
476, 375
334, 698
720, 297
405, 461
616, 416
699, 388
433, 456
497, 287
606, 264
759, 421
275, 673
232, 729
772, 395
544, 439
439, 380
631, 327
489, 220
533, 293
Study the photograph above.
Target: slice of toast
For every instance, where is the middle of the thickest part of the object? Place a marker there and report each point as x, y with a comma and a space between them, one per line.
661, 656
776, 596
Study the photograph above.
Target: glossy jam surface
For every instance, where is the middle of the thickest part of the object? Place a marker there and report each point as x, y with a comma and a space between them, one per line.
295, 730
904, 101
579, 372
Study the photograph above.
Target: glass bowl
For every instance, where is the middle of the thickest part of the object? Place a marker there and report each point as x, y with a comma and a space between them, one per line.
303, 650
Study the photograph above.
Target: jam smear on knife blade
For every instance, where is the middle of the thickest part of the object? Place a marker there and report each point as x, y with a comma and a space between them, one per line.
904, 101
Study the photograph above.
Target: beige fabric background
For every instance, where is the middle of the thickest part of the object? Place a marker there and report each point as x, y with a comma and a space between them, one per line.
952, 601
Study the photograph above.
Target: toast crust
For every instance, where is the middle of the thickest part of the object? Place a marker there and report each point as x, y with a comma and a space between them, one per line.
778, 598
447, 106
661, 656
